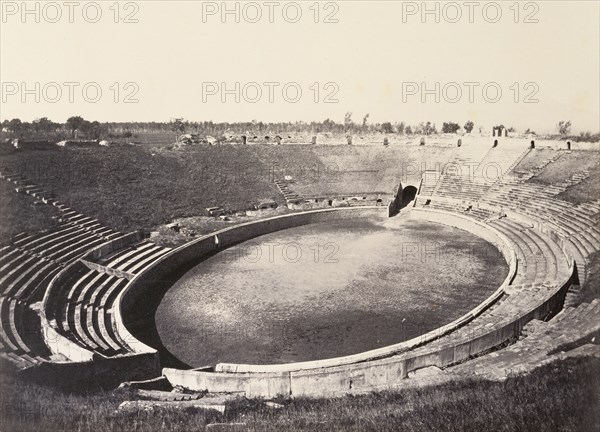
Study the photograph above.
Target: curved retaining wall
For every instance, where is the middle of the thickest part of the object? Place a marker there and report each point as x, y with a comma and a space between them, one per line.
385, 373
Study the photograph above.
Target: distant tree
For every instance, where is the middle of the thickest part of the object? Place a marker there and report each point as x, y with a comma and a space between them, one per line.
93, 130
529, 132
425, 128
387, 128
564, 127
365, 119
401, 128
329, 125
44, 126
588, 137
15, 126
469, 126
450, 127
177, 125
429, 129
74, 123
348, 121
408, 130
512, 129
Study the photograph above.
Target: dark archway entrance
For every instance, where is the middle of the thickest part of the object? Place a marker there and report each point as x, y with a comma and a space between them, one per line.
408, 194
402, 197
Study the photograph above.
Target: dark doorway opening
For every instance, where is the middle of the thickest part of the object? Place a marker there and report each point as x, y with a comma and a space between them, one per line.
408, 194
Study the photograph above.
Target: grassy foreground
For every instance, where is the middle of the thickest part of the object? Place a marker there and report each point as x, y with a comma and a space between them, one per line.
562, 396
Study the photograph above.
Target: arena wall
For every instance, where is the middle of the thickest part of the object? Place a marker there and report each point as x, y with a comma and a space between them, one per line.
388, 372
383, 374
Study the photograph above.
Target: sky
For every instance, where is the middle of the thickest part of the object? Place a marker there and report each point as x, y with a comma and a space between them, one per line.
521, 64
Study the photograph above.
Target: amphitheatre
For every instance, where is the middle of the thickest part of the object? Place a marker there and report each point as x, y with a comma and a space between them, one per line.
114, 263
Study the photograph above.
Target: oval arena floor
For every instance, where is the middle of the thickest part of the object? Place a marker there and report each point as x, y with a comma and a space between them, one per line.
326, 290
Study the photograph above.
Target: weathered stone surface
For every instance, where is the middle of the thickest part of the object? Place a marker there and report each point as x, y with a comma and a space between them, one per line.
149, 406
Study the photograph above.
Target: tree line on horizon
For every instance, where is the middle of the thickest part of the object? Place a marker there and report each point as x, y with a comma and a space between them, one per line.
77, 126
95, 129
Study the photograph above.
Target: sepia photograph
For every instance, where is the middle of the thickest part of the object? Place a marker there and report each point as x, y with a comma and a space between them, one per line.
312, 215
